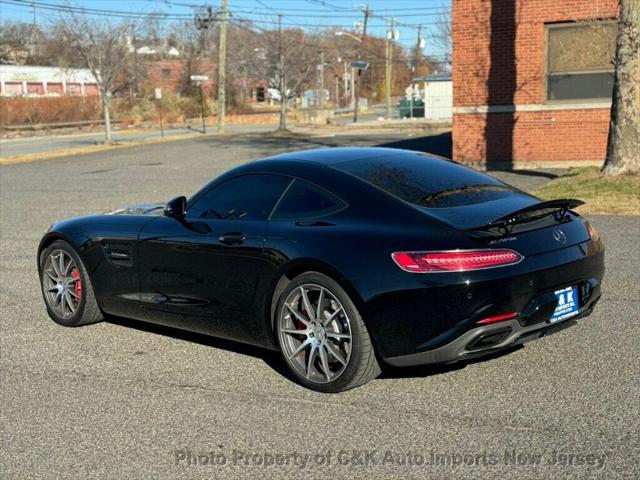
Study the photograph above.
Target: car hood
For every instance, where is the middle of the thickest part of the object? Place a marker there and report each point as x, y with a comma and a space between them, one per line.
141, 209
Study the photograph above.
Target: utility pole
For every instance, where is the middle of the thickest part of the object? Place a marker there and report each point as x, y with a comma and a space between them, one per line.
34, 28
417, 56
346, 78
389, 72
321, 72
353, 92
222, 58
282, 81
419, 46
367, 13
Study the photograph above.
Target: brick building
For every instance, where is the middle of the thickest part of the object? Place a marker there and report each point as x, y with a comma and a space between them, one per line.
532, 81
173, 75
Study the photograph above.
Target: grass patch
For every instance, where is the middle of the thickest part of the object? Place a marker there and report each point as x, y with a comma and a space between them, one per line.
609, 195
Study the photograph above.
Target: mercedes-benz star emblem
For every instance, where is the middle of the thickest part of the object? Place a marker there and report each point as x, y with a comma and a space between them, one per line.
559, 236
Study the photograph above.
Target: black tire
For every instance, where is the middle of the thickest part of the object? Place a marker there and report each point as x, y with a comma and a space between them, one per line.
87, 309
361, 364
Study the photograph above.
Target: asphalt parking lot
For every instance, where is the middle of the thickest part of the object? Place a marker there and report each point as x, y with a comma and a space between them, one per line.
124, 400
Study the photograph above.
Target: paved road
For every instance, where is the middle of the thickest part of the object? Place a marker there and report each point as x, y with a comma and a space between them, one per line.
123, 400
48, 143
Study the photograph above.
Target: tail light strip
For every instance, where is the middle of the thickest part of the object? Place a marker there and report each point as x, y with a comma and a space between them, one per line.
455, 260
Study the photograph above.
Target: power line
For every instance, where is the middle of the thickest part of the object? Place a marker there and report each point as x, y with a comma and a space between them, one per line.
181, 16
349, 13
96, 12
377, 58
188, 17
345, 26
165, 15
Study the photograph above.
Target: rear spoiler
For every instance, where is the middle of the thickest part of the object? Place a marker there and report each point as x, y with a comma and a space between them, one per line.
558, 208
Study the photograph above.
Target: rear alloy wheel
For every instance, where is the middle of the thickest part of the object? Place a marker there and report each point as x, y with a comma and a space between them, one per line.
322, 336
66, 288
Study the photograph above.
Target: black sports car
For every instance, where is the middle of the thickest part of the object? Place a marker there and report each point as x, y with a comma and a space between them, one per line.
344, 259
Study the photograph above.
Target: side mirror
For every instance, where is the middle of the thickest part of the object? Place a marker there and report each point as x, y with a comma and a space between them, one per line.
176, 208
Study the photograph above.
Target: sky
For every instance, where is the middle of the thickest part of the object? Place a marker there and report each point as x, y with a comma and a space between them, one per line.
308, 14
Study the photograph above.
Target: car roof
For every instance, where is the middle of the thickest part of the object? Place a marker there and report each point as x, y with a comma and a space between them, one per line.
335, 155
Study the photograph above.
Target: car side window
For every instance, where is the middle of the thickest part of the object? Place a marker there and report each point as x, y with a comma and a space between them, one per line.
247, 197
304, 200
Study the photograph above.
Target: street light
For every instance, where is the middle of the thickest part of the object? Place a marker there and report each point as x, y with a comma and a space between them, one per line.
341, 33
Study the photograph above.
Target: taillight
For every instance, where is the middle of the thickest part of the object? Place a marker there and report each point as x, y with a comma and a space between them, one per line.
593, 233
455, 260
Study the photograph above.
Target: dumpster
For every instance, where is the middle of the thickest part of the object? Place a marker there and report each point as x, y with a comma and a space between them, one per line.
404, 108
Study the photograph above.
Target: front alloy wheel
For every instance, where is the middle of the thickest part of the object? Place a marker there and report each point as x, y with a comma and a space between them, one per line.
66, 287
61, 284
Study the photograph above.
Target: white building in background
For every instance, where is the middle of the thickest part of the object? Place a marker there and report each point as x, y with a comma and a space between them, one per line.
32, 81
436, 91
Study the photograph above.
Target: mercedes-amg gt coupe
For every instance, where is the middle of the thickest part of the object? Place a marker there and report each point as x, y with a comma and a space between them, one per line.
343, 259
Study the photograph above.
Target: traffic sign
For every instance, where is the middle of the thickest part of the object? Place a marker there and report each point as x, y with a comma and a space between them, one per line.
359, 64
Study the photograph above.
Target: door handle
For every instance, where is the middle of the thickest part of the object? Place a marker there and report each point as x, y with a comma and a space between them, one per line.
232, 238
313, 223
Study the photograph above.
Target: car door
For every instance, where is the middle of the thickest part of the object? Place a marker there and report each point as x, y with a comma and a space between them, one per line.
200, 272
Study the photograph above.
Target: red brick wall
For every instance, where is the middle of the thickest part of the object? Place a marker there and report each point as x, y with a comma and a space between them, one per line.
563, 135
175, 76
499, 59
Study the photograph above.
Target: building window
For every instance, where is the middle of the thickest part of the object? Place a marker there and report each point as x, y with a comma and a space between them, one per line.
90, 89
74, 89
55, 88
13, 88
34, 88
166, 73
580, 60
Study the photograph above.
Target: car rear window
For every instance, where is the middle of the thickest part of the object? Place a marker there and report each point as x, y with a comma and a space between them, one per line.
426, 181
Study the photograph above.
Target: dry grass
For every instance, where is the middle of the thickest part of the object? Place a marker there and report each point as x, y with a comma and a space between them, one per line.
28, 110
609, 195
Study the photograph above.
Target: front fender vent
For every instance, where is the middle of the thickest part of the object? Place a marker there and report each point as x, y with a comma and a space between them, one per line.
118, 254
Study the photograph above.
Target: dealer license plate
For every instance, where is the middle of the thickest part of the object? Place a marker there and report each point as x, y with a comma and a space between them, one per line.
567, 304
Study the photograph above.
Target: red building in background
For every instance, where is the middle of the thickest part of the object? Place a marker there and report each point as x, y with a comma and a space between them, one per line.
173, 75
532, 81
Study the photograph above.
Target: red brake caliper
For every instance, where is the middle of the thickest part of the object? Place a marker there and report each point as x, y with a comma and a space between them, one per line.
77, 283
301, 326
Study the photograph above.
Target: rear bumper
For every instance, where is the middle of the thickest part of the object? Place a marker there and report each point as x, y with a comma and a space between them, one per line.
489, 339
423, 313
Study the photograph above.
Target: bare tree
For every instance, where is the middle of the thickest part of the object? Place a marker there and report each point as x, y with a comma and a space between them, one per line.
14, 40
440, 37
102, 47
193, 47
286, 59
623, 148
